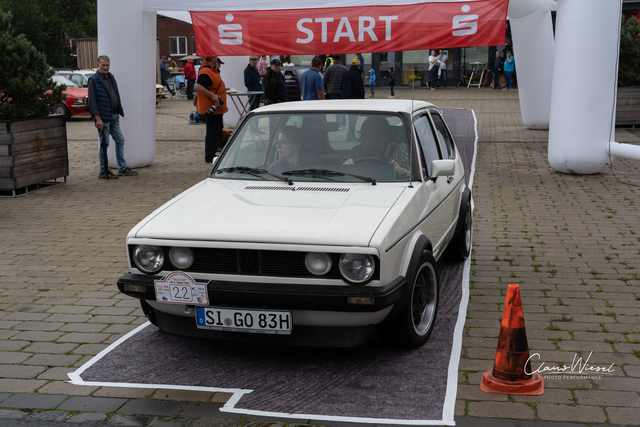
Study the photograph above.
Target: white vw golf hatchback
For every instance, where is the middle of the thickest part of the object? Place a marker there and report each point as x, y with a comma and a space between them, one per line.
319, 224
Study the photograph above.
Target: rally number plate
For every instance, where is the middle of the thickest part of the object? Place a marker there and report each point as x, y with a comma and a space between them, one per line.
180, 288
243, 320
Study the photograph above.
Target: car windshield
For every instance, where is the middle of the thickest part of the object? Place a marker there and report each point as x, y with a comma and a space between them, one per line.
61, 80
321, 146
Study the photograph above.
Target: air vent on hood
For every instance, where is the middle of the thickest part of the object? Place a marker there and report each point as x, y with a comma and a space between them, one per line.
291, 188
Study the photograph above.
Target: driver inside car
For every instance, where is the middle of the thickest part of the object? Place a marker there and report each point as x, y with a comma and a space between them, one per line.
375, 142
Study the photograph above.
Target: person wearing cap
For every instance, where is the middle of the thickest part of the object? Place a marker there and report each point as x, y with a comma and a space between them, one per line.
211, 91
275, 89
164, 75
333, 78
352, 88
333, 84
252, 81
311, 82
190, 75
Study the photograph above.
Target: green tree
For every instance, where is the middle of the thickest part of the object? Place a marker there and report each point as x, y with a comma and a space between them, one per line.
49, 24
26, 88
629, 68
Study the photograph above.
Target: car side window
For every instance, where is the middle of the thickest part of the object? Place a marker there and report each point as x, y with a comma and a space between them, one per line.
76, 79
428, 142
445, 137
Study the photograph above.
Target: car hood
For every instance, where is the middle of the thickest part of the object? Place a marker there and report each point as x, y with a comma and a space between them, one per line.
305, 213
76, 92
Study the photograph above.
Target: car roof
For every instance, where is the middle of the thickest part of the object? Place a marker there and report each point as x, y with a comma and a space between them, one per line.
66, 73
356, 105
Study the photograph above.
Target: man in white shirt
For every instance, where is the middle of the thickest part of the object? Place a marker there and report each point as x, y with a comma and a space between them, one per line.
434, 68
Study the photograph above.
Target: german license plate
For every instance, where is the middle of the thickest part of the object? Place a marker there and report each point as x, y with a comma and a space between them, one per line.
244, 320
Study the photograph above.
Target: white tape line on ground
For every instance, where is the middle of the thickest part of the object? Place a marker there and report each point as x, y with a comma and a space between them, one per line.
75, 376
448, 409
332, 417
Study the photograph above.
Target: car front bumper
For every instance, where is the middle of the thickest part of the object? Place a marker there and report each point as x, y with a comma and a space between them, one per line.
79, 109
359, 299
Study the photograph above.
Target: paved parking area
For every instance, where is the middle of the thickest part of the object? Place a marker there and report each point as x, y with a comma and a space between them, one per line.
571, 242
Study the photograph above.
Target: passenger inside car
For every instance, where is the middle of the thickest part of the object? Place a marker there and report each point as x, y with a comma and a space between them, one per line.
376, 146
290, 156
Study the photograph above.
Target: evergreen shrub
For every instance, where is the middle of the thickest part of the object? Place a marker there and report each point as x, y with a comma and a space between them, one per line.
26, 88
629, 65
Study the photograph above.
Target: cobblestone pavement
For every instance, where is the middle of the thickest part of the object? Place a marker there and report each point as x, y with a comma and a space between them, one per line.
571, 242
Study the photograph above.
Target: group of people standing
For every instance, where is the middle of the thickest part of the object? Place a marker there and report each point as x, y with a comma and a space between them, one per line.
508, 65
437, 69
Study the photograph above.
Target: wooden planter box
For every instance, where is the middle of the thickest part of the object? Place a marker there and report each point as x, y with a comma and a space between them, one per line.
628, 106
32, 152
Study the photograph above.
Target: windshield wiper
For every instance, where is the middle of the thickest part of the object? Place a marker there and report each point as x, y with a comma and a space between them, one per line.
255, 172
328, 172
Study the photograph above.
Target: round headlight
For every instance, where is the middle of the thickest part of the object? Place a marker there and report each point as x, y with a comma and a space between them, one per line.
317, 263
149, 258
357, 268
181, 257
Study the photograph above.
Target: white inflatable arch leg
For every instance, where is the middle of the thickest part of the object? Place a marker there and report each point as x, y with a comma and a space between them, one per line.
585, 74
533, 45
127, 35
232, 73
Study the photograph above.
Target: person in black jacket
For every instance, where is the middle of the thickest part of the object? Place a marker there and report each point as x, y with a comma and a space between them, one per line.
496, 68
275, 89
252, 81
352, 88
392, 82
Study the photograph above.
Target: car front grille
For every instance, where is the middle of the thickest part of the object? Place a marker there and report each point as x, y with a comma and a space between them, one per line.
252, 262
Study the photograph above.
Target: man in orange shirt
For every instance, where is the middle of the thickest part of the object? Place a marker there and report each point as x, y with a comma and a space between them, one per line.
212, 103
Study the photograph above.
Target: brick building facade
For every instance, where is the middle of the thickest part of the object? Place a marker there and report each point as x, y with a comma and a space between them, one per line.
175, 38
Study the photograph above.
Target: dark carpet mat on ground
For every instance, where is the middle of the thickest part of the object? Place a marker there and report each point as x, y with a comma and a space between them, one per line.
371, 381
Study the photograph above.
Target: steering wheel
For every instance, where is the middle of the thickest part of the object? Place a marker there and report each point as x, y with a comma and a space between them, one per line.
372, 159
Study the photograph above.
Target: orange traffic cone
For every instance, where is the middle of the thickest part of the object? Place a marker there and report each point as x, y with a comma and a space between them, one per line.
509, 373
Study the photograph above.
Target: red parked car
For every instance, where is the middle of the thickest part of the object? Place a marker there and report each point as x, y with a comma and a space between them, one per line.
76, 102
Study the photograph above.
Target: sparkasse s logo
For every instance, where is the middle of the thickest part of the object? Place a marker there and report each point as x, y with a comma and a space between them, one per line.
230, 34
465, 25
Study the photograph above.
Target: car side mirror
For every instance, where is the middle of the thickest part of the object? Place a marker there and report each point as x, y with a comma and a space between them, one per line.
442, 168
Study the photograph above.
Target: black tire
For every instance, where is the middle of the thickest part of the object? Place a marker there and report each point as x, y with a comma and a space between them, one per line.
413, 325
183, 88
62, 110
149, 312
460, 246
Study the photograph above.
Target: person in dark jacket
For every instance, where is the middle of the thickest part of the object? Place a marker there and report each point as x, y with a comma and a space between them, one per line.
333, 78
496, 68
252, 81
275, 89
352, 88
392, 82
164, 75
105, 106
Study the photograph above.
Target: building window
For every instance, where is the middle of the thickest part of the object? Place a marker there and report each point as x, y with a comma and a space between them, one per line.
178, 45
193, 44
